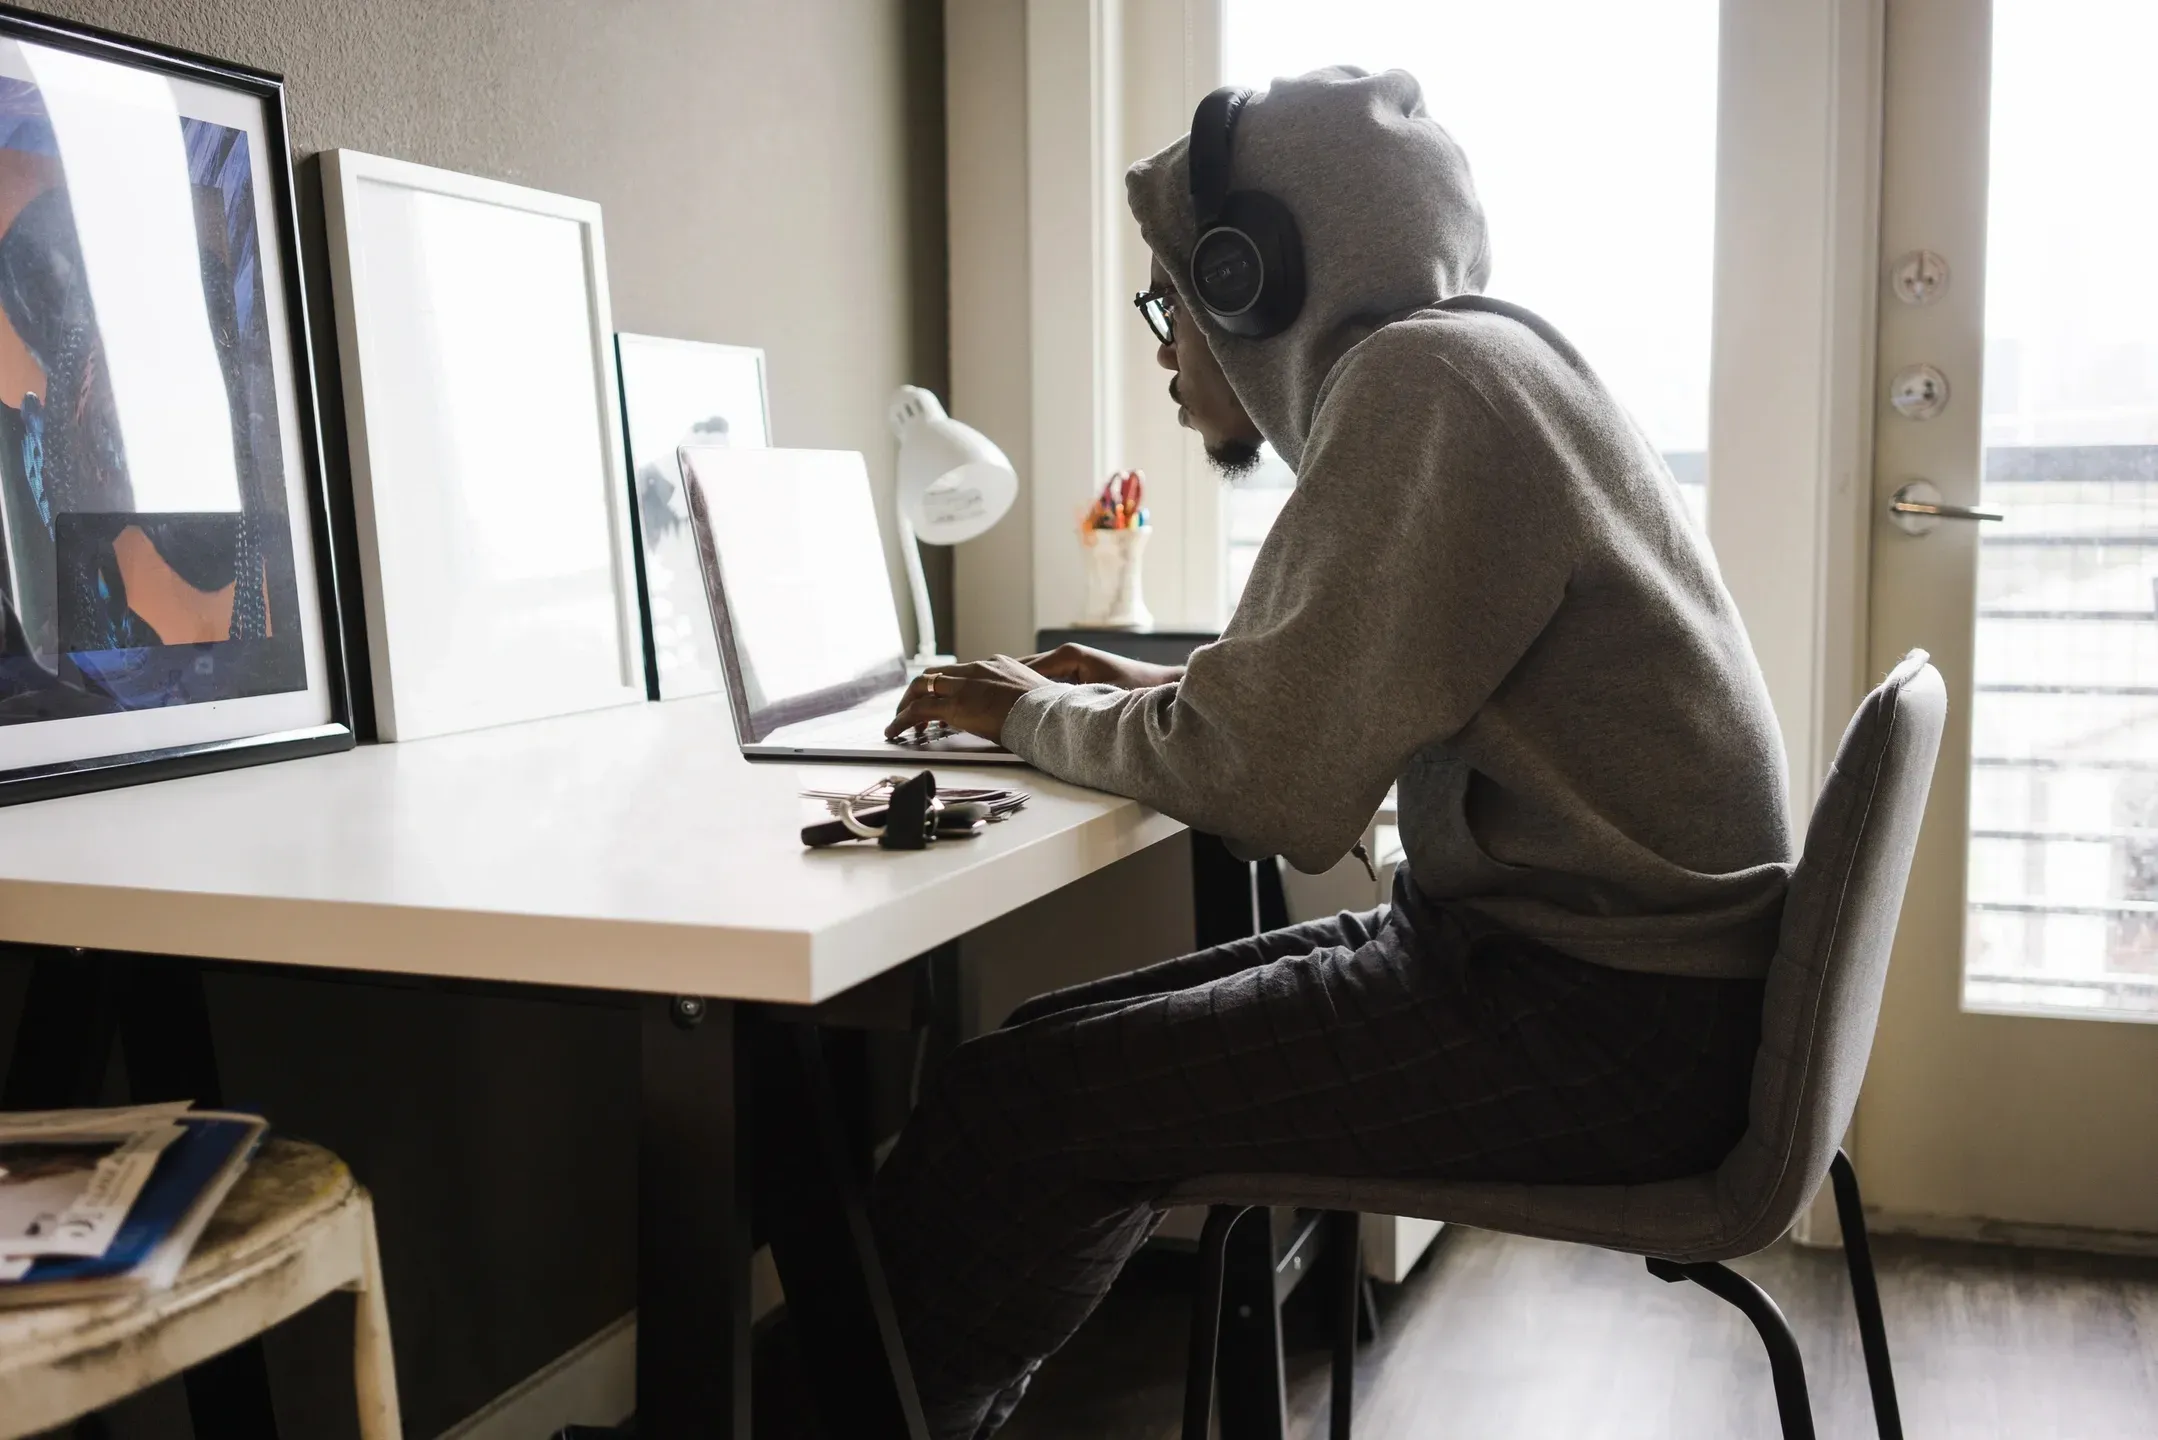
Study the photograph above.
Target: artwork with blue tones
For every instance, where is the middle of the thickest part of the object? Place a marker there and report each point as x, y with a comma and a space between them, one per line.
168, 597
114, 601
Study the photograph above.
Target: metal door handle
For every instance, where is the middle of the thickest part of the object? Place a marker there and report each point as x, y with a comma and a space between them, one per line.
1944, 512
1917, 507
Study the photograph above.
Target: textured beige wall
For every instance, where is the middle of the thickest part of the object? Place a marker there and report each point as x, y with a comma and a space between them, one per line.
752, 159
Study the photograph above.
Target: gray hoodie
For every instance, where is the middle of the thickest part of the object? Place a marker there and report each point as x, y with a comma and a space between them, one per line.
1485, 586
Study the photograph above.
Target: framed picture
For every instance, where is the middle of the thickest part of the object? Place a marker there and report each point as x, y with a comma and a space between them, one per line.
677, 393
496, 555
168, 597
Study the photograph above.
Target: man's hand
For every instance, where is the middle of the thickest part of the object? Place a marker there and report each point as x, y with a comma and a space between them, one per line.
1083, 665
975, 698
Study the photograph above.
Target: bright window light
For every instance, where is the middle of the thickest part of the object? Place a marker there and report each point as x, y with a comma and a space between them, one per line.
1590, 128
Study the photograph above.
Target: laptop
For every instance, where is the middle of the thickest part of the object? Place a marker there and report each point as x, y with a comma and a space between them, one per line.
808, 636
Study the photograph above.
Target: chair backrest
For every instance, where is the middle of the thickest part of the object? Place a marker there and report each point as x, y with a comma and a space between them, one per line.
1839, 922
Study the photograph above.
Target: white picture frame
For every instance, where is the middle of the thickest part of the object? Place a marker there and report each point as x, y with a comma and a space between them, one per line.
477, 348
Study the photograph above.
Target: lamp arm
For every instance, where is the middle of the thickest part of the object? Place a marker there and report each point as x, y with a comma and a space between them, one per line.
925, 620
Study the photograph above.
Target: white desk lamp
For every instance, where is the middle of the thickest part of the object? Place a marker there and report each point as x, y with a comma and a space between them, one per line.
954, 483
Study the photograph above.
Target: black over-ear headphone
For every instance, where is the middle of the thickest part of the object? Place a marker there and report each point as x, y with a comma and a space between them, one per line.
1247, 266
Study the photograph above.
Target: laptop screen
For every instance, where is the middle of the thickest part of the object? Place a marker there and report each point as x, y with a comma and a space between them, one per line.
794, 571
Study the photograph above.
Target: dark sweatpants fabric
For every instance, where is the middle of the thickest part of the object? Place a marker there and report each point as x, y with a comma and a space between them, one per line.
1415, 1041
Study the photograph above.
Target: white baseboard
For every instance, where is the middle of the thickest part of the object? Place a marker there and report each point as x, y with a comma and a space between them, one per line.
594, 1382
1394, 1243
1817, 1226
2012, 1232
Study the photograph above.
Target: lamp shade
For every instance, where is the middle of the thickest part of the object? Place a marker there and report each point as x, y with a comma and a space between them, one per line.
954, 483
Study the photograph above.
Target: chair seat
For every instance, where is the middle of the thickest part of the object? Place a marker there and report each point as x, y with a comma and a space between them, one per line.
294, 1228
1671, 1220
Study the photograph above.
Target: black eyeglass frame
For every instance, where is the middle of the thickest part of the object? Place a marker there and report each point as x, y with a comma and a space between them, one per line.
1158, 308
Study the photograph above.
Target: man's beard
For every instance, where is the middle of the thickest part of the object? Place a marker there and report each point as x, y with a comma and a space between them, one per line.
1234, 458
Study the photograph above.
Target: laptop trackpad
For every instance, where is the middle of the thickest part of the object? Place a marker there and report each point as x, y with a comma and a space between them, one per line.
862, 728
949, 742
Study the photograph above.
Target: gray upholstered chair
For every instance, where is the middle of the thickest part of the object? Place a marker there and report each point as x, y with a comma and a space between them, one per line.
1824, 994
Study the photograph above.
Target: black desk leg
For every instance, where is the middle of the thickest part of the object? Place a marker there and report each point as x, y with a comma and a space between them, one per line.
1229, 900
942, 1014
1224, 893
693, 1215
64, 1036
814, 1215
77, 1001
1249, 1373
165, 1036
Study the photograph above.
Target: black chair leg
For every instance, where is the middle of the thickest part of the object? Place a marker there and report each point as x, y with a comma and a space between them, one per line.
1866, 1294
1344, 1241
1206, 1319
1784, 1362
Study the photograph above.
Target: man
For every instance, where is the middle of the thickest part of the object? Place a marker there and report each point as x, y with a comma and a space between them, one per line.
1485, 589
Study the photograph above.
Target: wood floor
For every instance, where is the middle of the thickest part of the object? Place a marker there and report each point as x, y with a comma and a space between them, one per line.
1494, 1336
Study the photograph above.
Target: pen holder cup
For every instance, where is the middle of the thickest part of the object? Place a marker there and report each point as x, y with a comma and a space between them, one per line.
1114, 562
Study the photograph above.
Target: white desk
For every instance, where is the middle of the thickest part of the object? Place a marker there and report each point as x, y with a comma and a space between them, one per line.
630, 849
622, 850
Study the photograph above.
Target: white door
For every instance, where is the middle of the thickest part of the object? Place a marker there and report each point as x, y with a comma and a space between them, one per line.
2015, 1078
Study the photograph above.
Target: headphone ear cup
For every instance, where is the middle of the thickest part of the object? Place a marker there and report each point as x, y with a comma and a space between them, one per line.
1248, 272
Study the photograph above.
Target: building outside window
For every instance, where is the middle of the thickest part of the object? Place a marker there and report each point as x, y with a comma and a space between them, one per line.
2063, 871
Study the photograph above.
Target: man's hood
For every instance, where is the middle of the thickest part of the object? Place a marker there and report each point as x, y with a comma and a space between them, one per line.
1388, 215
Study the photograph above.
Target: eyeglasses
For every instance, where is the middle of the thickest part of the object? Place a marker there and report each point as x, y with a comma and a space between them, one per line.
1158, 306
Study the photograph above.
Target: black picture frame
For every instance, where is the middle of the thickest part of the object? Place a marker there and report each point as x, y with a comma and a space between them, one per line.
293, 339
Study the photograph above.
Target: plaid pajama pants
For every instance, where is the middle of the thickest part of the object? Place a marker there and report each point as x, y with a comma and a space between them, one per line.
1415, 1041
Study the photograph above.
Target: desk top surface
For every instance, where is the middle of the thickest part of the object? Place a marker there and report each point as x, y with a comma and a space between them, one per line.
625, 849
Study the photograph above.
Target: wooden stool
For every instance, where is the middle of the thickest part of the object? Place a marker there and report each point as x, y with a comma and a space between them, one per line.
294, 1228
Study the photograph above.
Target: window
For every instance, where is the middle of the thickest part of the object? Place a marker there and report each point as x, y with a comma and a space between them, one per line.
1591, 129
2063, 878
